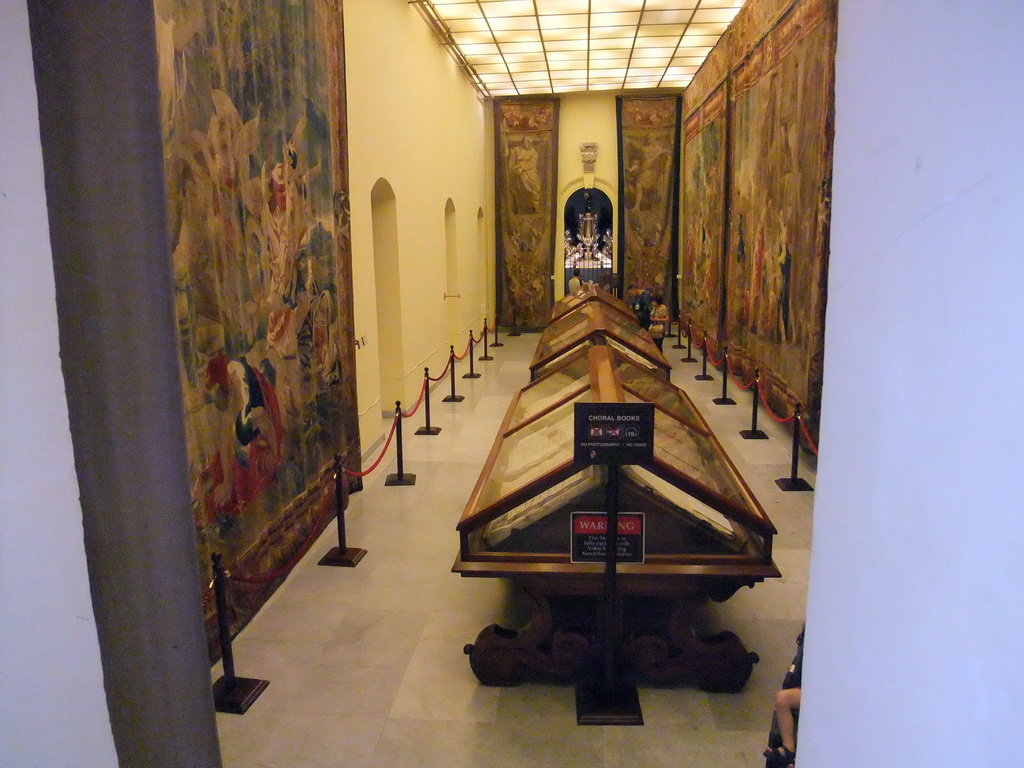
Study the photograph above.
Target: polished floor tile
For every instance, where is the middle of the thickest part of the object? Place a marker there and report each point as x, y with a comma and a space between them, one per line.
366, 665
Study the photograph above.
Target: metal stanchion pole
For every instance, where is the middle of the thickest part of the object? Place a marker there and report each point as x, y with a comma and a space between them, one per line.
679, 336
485, 356
426, 429
754, 433
689, 350
794, 483
472, 374
452, 398
343, 554
725, 399
704, 375
231, 694
399, 478
496, 343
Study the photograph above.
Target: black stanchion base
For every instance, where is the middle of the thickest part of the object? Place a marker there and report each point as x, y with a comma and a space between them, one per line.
471, 375
403, 479
515, 333
497, 344
486, 357
793, 484
597, 706
347, 558
677, 345
452, 399
237, 695
690, 359
724, 401
426, 431
704, 377
753, 434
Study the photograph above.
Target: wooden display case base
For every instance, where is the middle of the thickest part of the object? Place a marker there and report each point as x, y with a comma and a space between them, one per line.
664, 651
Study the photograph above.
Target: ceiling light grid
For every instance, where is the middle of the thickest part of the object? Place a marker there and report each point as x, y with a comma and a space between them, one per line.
517, 47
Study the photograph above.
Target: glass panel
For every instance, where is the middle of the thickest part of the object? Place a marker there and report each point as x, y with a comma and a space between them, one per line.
629, 353
694, 455
542, 523
571, 375
528, 454
631, 332
656, 390
563, 333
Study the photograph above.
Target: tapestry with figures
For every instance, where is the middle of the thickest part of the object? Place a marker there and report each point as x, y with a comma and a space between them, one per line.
704, 216
782, 111
526, 165
648, 130
253, 122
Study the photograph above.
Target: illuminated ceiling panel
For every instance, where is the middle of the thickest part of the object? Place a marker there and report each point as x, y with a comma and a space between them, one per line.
510, 47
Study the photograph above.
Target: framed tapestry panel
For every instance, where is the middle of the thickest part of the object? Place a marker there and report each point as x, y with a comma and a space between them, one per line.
648, 128
252, 104
526, 165
704, 215
782, 110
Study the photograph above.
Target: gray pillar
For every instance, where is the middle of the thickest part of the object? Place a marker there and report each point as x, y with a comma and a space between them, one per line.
98, 100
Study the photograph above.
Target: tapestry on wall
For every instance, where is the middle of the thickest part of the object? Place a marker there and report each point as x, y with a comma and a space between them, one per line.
252, 110
704, 215
526, 163
783, 107
648, 133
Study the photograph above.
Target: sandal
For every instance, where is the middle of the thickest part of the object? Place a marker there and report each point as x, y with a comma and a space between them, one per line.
780, 757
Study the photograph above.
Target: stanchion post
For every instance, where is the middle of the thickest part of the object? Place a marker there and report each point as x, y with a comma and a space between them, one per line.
231, 694
426, 429
689, 340
725, 399
704, 375
452, 398
485, 356
679, 335
794, 483
515, 322
341, 555
400, 477
472, 374
496, 343
754, 433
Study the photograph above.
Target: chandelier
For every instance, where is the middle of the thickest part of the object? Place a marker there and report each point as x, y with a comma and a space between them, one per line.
587, 248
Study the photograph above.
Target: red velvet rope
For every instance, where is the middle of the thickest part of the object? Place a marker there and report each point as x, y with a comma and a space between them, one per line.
772, 413
807, 435
711, 357
442, 373
735, 378
283, 570
494, 324
364, 473
419, 402
466, 350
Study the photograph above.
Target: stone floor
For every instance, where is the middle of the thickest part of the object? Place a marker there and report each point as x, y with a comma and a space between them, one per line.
366, 664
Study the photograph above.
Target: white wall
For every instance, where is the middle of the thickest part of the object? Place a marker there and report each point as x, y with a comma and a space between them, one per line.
53, 709
414, 120
916, 611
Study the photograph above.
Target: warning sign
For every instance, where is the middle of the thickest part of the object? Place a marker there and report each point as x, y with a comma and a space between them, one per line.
589, 537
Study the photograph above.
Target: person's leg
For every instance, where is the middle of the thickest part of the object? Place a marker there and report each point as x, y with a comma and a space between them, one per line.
786, 701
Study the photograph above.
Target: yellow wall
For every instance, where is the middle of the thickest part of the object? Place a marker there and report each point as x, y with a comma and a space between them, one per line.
585, 117
415, 121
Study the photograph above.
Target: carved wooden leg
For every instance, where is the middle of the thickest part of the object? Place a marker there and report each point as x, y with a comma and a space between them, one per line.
502, 656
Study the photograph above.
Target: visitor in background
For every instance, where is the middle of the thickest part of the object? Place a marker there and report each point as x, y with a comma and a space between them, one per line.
640, 303
575, 283
659, 319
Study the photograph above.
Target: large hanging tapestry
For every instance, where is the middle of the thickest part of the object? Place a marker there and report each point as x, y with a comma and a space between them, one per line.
704, 215
648, 193
253, 123
782, 107
526, 162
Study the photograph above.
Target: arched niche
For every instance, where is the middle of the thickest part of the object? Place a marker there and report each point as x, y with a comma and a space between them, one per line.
588, 226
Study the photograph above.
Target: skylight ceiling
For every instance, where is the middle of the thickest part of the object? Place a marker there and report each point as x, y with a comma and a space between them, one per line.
520, 47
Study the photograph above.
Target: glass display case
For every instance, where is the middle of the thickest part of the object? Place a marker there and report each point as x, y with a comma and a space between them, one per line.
594, 323
589, 292
704, 534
